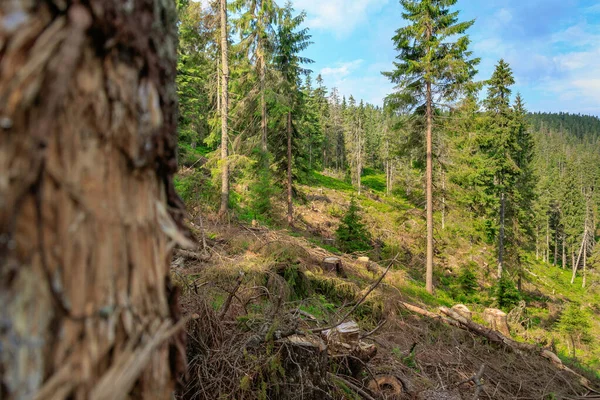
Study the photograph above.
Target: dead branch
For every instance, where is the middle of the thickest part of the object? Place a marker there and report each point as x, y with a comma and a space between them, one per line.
358, 303
381, 324
227, 303
476, 379
191, 255
352, 386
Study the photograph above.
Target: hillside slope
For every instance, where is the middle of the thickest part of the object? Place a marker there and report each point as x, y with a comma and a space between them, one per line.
255, 284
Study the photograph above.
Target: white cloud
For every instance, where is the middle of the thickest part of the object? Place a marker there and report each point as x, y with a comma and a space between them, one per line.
342, 70
364, 83
579, 88
339, 16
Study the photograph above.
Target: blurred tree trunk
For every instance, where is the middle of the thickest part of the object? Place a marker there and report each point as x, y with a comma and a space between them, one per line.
87, 153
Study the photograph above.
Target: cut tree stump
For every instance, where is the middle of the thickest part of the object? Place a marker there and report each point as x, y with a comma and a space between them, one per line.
306, 363
497, 320
345, 335
363, 260
334, 264
463, 310
387, 385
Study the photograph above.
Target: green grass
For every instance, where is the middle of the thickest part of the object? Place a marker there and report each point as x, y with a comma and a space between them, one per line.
319, 180
374, 180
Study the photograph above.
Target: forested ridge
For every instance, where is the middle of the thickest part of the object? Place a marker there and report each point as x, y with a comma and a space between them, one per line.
512, 195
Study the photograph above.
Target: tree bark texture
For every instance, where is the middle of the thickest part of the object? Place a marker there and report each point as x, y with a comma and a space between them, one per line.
429, 190
87, 154
224, 111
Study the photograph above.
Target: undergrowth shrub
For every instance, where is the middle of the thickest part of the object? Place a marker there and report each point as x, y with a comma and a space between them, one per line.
507, 295
352, 235
574, 323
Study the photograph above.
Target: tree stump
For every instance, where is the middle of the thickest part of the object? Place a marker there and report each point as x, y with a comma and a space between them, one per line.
306, 363
344, 335
497, 320
387, 385
463, 310
334, 264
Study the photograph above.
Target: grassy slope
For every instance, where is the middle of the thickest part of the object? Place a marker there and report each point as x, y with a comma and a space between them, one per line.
547, 288
288, 262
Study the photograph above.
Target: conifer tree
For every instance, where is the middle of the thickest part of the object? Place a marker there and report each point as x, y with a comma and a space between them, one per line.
256, 26
290, 42
224, 108
499, 142
433, 64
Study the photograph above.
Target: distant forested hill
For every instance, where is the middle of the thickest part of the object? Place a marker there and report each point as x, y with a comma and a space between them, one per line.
577, 124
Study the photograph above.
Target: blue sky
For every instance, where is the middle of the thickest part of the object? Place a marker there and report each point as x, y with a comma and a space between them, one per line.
553, 47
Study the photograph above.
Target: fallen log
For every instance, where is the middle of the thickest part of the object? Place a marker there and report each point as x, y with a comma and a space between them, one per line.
455, 319
490, 334
498, 338
192, 255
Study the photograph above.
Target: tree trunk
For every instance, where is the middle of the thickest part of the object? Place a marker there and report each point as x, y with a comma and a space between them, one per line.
576, 263
290, 206
443, 199
501, 235
564, 252
555, 261
224, 111
537, 242
88, 114
584, 266
263, 104
429, 190
359, 161
547, 255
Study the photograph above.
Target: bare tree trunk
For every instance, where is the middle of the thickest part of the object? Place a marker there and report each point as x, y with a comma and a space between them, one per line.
547, 255
87, 99
359, 161
290, 206
224, 112
564, 252
443, 199
429, 190
555, 261
576, 263
263, 104
537, 242
584, 266
501, 235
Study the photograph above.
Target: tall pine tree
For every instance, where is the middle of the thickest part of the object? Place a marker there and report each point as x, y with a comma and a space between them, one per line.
433, 64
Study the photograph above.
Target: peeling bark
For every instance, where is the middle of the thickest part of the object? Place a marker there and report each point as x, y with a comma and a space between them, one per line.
87, 154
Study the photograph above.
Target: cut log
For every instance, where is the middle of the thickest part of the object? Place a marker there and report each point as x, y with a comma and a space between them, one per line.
333, 264
344, 335
497, 320
463, 310
387, 386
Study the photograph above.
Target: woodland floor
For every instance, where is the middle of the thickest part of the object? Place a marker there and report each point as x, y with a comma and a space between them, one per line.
251, 289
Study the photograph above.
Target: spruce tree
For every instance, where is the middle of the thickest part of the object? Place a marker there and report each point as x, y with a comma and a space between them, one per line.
433, 64
290, 42
498, 140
